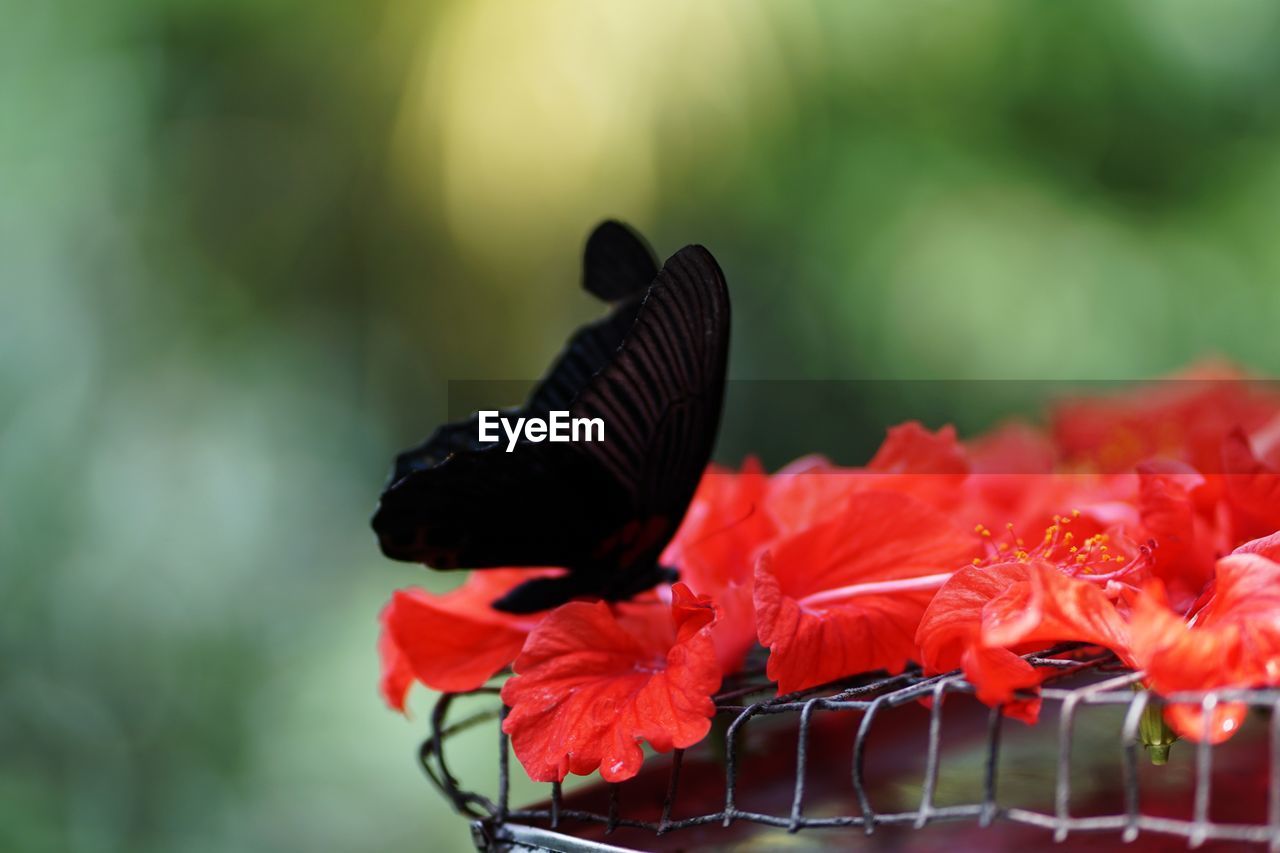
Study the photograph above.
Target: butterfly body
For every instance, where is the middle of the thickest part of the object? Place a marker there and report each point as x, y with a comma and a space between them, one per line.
653, 371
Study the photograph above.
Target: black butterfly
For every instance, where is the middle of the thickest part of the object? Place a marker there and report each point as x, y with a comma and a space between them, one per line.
653, 369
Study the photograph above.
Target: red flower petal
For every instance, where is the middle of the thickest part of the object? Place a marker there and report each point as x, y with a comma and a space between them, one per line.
1267, 546
998, 674
1234, 641
715, 550
593, 681
1167, 501
949, 638
1253, 487
724, 530
809, 490
912, 460
1188, 720
816, 630
1013, 448
1051, 607
910, 448
953, 621
452, 642
397, 675
986, 615
734, 632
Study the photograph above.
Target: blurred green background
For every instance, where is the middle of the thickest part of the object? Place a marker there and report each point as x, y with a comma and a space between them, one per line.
244, 245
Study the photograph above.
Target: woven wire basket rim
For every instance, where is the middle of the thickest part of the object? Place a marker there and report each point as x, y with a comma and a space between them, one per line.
496, 823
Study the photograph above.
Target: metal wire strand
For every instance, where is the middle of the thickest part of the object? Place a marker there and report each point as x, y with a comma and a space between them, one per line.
859, 759
1204, 772
802, 757
931, 761
1129, 742
991, 767
731, 762
1273, 790
504, 771
673, 785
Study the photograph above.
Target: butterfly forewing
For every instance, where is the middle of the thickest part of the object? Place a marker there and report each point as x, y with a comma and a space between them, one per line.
541, 505
660, 397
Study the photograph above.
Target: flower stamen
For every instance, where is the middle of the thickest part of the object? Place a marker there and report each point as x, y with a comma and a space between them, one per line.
1094, 558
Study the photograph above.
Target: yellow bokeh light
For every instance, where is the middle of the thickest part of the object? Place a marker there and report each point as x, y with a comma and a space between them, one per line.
528, 122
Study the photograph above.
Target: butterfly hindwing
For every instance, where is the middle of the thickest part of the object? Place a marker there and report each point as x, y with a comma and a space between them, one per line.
618, 267
617, 262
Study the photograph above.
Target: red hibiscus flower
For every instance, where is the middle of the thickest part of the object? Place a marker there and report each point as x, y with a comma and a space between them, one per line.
910, 449
1185, 417
593, 681
912, 460
1252, 479
452, 642
1011, 476
1232, 641
1013, 448
807, 491
1013, 479
844, 596
724, 531
1019, 601
725, 528
1179, 513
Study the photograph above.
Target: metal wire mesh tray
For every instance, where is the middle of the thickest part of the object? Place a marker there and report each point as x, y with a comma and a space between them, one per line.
867, 756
